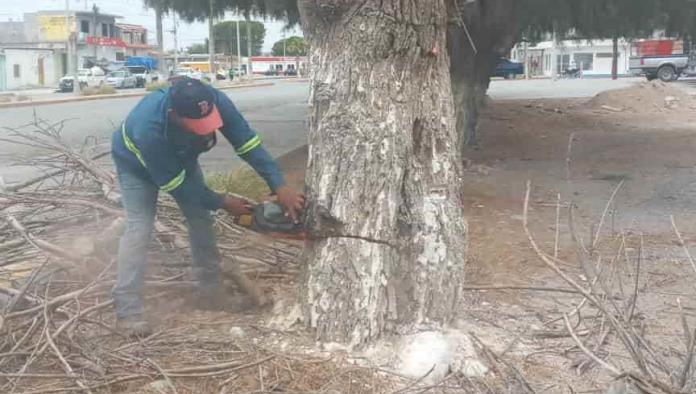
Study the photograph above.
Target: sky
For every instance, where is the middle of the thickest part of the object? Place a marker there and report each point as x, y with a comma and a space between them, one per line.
134, 12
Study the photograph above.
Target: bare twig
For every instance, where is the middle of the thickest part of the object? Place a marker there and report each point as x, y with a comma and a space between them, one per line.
604, 214
558, 226
569, 154
614, 371
682, 243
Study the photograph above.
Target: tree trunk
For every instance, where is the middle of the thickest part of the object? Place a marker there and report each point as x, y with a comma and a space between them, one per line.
463, 76
211, 41
384, 170
615, 59
478, 33
160, 38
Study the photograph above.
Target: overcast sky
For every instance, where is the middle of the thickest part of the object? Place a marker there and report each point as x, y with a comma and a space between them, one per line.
134, 12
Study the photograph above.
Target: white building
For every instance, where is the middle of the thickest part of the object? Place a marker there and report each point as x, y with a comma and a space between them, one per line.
24, 67
276, 64
594, 57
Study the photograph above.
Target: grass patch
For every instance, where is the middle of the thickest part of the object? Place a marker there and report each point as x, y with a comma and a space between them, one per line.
244, 182
102, 89
150, 87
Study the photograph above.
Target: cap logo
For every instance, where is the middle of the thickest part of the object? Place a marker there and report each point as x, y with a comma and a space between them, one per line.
204, 107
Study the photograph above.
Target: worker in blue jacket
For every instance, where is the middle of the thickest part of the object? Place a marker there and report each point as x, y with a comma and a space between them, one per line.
157, 148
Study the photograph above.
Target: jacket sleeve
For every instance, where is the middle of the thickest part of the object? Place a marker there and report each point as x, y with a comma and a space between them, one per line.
185, 183
247, 143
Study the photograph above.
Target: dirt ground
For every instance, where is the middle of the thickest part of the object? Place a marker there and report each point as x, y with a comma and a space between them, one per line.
649, 149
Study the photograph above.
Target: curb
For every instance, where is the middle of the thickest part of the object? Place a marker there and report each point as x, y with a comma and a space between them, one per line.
30, 103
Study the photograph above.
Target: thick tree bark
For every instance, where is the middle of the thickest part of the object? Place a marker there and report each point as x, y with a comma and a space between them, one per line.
615, 59
384, 171
479, 32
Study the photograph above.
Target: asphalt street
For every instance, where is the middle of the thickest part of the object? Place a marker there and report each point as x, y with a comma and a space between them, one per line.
278, 113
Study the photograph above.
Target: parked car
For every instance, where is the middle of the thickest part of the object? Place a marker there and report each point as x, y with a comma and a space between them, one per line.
666, 67
290, 72
121, 79
188, 72
143, 75
508, 69
87, 76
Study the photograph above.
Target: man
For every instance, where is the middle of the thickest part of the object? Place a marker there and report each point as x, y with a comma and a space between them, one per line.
157, 148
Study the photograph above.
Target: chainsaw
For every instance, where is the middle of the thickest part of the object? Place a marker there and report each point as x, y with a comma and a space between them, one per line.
269, 218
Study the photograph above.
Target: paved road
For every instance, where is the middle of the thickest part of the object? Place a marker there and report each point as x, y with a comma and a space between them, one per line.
277, 112
561, 88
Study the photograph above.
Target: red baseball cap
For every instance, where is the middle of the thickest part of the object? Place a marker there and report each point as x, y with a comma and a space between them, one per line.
194, 104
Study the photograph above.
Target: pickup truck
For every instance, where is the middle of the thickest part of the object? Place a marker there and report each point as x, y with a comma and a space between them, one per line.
508, 69
87, 76
667, 67
143, 75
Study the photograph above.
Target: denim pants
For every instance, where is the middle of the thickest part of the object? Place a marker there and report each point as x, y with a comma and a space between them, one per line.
139, 198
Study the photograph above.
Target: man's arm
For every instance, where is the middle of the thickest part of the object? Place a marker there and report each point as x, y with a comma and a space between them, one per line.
247, 143
248, 146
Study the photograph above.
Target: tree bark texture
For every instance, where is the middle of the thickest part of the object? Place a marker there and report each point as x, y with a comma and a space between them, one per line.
478, 33
384, 173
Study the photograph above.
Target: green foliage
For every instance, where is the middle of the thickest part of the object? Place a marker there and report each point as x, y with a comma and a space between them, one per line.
284, 10
226, 37
244, 182
294, 46
587, 19
199, 48
95, 90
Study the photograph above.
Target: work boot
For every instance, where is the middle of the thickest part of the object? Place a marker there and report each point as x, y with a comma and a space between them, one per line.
134, 326
217, 299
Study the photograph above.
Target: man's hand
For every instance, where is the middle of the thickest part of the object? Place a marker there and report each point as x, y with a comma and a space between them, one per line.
292, 201
236, 206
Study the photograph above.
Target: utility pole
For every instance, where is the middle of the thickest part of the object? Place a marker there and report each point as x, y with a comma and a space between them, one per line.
239, 46
160, 41
95, 18
68, 48
250, 73
72, 58
526, 59
176, 43
211, 41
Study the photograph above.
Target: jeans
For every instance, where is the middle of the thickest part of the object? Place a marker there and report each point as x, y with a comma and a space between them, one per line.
139, 198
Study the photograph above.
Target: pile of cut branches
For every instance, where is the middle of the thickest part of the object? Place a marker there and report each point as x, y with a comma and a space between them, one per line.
608, 310
58, 242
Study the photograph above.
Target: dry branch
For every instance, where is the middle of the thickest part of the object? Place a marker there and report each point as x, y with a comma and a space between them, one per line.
652, 374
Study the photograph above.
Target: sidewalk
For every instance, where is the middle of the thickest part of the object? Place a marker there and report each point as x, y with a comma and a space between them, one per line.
49, 96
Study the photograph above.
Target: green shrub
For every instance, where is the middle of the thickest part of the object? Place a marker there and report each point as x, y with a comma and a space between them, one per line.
150, 87
244, 182
102, 89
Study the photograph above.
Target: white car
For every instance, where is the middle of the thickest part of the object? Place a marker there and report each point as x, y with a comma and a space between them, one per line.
189, 72
121, 79
87, 76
